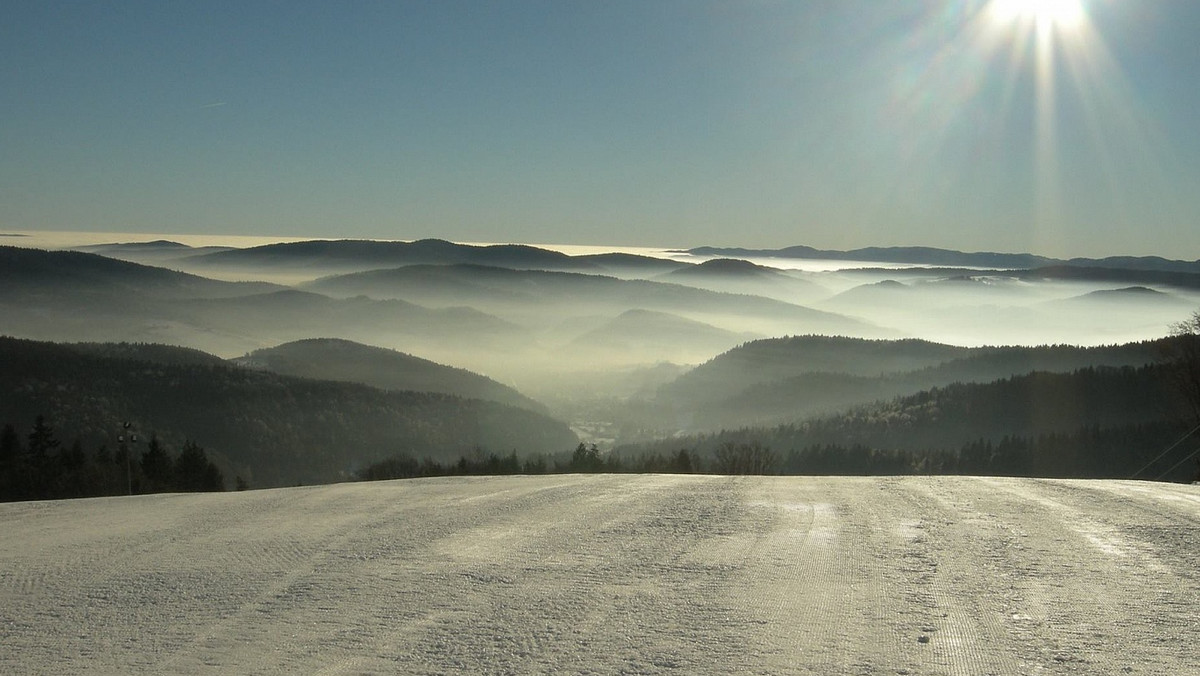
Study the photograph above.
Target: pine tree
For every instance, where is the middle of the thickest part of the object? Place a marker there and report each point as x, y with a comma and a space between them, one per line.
157, 467
10, 456
195, 472
38, 470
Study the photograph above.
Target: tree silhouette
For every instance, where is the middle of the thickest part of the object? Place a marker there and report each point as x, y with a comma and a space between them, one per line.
752, 458
1181, 353
157, 467
39, 449
194, 472
10, 458
586, 459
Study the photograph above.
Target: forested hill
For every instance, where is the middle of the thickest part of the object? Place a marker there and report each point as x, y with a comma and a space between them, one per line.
347, 361
267, 428
782, 380
34, 271
1100, 421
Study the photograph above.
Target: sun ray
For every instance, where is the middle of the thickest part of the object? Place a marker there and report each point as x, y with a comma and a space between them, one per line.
1045, 14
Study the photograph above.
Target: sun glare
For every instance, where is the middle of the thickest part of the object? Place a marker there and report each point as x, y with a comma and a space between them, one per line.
1042, 69
1046, 14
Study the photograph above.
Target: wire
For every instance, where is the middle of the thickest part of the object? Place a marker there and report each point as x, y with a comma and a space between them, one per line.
1189, 457
1169, 449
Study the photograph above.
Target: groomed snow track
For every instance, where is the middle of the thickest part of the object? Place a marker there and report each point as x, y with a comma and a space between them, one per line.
611, 574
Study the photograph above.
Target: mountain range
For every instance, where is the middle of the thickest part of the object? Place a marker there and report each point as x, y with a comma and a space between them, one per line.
620, 347
930, 256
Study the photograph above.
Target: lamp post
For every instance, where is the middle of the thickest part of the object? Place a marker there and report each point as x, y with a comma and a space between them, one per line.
127, 434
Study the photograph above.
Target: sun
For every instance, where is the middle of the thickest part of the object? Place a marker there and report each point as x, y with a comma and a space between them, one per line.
1059, 15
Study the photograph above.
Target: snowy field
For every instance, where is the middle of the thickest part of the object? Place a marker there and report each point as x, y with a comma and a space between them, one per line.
610, 575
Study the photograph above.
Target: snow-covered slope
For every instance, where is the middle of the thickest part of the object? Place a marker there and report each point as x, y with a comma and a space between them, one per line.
609, 574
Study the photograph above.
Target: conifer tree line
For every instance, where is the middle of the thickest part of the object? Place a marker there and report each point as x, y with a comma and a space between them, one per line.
38, 466
585, 459
1129, 451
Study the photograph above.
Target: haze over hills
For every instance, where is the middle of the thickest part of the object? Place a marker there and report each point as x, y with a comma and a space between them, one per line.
268, 428
1095, 422
950, 258
626, 265
656, 335
73, 296
357, 255
790, 380
68, 273
743, 277
918, 255
347, 361
540, 296
599, 338
157, 252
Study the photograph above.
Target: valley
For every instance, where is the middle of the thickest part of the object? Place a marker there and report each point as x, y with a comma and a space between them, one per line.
464, 349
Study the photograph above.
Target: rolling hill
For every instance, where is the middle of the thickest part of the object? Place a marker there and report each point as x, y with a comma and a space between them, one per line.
930, 256
53, 274
268, 428
347, 361
774, 359
72, 296
658, 336
779, 381
351, 255
1098, 422
732, 275
552, 296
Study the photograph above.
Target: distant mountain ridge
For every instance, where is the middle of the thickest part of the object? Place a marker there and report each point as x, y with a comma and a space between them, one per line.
157, 251
917, 255
499, 288
348, 361
37, 270
356, 253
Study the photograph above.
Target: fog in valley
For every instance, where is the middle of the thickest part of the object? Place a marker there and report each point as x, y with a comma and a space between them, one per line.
630, 350
826, 338
530, 316
632, 391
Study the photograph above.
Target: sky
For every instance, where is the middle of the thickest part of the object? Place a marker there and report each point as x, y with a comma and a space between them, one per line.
978, 125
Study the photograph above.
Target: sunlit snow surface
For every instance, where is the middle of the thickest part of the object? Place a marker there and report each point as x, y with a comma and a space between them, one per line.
610, 575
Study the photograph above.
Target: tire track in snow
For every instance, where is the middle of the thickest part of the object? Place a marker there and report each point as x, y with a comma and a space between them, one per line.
602, 590
1073, 587
330, 598
799, 582
608, 575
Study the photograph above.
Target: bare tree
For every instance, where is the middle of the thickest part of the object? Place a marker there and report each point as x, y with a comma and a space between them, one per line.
1181, 353
731, 458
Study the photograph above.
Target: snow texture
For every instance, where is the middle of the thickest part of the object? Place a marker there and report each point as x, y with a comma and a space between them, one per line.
610, 575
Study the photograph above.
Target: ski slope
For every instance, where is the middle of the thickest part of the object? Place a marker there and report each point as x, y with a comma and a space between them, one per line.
610, 574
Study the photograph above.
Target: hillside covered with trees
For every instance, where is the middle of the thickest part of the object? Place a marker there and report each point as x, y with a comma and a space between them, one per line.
268, 428
40, 467
347, 361
1112, 422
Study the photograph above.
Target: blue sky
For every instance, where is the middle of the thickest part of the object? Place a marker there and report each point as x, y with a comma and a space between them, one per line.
831, 123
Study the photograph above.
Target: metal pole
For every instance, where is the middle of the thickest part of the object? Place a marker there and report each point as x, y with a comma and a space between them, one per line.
128, 452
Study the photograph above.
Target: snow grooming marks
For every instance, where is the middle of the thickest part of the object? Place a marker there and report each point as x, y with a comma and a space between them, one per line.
1106, 539
1070, 598
608, 575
